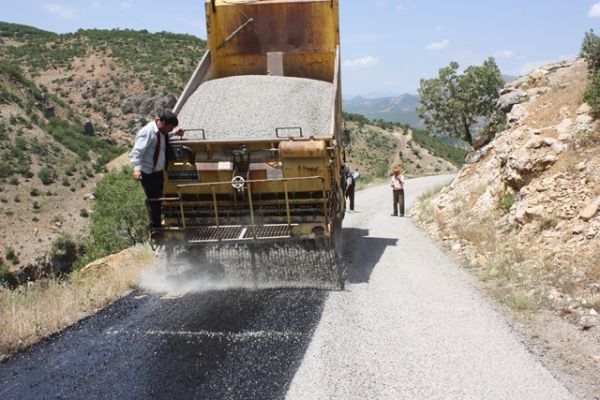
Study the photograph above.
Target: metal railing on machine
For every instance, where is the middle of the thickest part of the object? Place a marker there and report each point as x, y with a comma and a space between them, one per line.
247, 186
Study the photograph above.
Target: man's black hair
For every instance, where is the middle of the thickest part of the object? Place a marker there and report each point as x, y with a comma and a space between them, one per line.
169, 118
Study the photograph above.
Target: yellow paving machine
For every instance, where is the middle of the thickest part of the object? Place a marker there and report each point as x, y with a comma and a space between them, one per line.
256, 179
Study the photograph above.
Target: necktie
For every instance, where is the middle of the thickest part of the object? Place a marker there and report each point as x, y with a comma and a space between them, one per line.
157, 150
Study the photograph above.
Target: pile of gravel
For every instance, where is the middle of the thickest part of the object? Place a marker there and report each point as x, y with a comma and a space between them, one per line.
253, 106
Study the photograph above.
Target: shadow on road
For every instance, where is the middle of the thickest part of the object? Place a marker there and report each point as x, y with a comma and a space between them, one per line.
362, 253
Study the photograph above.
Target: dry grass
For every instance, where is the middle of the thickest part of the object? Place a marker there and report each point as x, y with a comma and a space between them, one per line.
34, 311
589, 139
427, 212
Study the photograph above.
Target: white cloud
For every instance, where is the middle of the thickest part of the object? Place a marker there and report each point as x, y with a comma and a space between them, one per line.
505, 54
60, 10
125, 4
438, 45
361, 63
439, 28
594, 11
404, 7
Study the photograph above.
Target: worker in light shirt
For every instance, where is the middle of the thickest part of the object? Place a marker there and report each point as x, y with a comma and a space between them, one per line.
398, 189
149, 159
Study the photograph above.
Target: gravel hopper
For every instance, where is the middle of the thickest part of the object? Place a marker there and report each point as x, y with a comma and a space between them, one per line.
256, 179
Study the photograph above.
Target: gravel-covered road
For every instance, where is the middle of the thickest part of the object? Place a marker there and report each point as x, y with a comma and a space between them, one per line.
409, 326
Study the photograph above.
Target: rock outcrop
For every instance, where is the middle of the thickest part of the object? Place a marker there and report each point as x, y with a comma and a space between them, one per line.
536, 188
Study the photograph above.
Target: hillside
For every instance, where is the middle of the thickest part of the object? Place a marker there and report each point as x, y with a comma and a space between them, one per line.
395, 109
532, 196
377, 146
523, 215
71, 103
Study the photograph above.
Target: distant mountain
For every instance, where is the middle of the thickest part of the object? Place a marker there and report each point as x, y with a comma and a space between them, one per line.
395, 109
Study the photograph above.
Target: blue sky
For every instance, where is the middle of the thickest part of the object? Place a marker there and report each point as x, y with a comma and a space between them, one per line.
387, 45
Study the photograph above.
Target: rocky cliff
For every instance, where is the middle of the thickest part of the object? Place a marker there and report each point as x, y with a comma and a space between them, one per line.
524, 210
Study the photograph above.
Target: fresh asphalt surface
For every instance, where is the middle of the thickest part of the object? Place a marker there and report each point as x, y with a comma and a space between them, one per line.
408, 326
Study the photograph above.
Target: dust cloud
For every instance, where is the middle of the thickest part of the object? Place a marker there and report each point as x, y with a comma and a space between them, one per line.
234, 267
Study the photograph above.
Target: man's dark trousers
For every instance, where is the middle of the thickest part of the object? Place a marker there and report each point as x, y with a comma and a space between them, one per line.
350, 195
399, 198
153, 187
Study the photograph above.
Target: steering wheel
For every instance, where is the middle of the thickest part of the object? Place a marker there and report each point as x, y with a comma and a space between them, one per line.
238, 183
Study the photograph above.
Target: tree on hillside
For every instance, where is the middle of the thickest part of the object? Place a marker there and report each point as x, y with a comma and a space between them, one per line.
119, 219
590, 51
453, 103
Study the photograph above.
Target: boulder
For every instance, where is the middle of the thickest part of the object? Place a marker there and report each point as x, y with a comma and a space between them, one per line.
538, 78
591, 210
88, 129
516, 113
507, 101
584, 109
523, 164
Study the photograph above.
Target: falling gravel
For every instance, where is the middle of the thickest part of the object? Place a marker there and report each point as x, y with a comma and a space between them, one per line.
253, 106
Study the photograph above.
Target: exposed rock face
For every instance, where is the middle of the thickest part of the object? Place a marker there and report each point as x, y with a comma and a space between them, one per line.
590, 211
539, 181
88, 128
152, 105
509, 98
521, 163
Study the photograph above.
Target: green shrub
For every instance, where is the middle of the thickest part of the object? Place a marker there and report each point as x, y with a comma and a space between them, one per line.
592, 95
590, 50
119, 218
84, 213
7, 278
47, 175
63, 253
506, 201
9, 253
34, 192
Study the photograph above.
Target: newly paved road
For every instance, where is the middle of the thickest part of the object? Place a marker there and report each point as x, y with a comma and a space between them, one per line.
409, 326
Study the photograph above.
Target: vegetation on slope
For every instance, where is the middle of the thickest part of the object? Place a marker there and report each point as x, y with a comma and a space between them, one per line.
162, 59
433, 144
590, 50
455, 104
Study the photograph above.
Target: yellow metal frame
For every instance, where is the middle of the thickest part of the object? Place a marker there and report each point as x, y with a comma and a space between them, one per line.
248, 184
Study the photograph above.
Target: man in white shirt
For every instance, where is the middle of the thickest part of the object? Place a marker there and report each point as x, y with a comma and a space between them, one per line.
349, 185
149, 159
398, 188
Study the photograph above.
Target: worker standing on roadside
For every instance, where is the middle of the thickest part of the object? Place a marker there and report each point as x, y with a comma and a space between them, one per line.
350, 183
398, 189
149, 159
